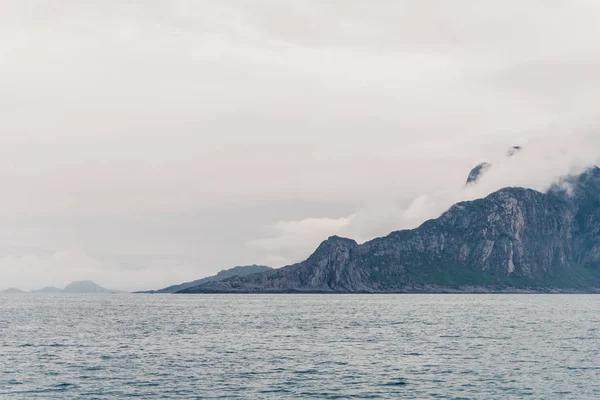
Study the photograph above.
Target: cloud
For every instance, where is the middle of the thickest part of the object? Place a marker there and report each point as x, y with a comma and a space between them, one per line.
194, 121
292, 238
547, 155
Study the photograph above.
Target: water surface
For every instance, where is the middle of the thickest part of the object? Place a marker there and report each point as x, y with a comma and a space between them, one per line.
299, 346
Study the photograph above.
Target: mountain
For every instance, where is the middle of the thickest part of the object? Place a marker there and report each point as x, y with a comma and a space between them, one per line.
48, 289
12, 291
513, 240
228, 273
77, 287
85, 287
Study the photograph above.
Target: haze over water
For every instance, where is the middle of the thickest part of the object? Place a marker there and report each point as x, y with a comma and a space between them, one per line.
299, 346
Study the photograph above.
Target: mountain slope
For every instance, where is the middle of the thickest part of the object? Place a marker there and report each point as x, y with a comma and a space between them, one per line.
514, 239
228, 273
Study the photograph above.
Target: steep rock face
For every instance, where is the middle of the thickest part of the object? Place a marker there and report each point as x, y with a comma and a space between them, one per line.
332, 267
514, 238
583, 196
512, 233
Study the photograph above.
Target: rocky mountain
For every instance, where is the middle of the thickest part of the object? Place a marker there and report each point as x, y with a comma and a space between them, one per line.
228, 273
513, 240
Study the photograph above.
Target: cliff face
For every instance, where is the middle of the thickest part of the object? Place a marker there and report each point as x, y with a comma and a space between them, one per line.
514, 239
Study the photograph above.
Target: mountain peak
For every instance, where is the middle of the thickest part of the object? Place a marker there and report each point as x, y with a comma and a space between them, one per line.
340, 239
515, 239
335, 242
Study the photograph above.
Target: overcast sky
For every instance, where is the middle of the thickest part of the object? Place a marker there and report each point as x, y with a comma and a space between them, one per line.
145, 143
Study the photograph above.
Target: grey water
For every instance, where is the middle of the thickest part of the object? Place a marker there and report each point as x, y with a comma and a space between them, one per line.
299, 346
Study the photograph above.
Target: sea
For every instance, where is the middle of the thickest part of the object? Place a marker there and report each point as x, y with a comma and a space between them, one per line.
421, 346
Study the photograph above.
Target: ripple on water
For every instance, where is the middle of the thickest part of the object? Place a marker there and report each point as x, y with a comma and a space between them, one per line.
312, 346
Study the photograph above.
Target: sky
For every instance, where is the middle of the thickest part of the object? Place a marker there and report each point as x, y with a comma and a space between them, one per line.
146, 143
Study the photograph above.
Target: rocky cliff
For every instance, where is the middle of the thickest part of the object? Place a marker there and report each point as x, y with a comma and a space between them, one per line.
512, 240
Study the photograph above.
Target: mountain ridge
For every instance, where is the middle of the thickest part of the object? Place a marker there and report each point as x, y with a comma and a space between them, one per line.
515, 239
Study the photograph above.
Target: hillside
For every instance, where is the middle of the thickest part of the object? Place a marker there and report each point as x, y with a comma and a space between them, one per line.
514, 239
228, 273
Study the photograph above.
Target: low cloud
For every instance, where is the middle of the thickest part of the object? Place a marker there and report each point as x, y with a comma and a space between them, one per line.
289, 239
546, 156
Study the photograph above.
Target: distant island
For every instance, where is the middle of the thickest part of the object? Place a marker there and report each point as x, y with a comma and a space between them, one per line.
78, 287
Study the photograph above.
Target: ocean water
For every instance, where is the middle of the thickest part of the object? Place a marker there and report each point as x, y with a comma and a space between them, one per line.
299, 346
